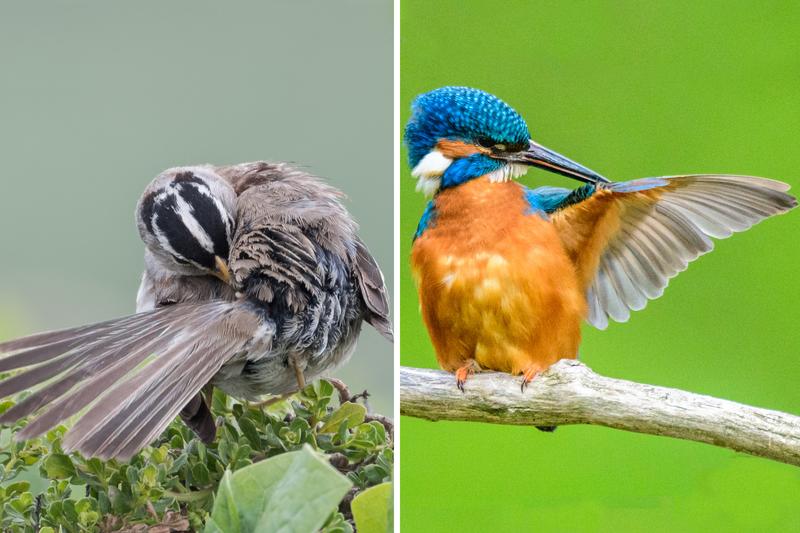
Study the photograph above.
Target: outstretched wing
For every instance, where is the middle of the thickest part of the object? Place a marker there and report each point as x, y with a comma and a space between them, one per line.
130, 376
628, 239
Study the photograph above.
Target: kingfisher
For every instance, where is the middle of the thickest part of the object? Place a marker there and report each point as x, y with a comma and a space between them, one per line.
506, 274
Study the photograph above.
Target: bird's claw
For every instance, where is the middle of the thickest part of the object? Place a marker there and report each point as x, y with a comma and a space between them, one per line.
463, 373
528, 376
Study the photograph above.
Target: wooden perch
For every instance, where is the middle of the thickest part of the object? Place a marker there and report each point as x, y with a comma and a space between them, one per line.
571, 393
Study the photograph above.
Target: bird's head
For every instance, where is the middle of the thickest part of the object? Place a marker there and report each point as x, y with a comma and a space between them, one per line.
456, 134
186, 220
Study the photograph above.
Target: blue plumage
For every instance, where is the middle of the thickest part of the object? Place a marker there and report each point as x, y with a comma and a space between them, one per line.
551, 199
546, 199
641, 184
463, 170
427, 219
495, 141
461, 113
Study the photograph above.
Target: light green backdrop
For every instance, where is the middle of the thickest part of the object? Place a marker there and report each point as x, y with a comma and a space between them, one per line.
97, 97
630, 89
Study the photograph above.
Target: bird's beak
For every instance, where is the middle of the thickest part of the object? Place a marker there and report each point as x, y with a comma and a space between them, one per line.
222, 272
538, 156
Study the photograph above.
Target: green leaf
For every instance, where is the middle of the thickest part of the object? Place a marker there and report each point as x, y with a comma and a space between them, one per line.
267, 494
201, 475
250, 432
372, 509
337, 524
323, 389
17, 488
349, 415
5, 406
219, 401
59, 466
225, 516
149, 476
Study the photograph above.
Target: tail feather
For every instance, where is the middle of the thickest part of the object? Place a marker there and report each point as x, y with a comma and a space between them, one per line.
134, 374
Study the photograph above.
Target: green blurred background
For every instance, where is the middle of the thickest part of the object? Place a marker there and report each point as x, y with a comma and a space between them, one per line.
630, 89
98, 97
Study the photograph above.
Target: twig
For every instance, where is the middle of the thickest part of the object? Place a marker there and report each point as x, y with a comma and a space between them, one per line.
571, 393
386, 422
342, 388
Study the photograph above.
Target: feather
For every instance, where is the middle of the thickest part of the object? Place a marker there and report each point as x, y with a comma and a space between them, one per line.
662, 225
373, 290
298, 269
135, 375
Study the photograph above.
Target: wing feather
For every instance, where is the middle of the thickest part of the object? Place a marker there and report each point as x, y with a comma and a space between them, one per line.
373, 290
132, 376
628, 239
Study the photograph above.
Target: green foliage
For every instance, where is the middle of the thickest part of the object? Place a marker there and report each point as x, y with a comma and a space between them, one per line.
372, 509
300, 458
261, 497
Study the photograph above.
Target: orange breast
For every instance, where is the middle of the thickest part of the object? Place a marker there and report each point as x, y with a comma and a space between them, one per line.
495, 284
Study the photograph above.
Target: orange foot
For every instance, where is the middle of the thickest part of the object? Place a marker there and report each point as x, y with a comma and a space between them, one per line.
528, 375
465, 372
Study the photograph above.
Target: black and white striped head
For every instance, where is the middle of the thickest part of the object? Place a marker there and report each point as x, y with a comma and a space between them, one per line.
186, 219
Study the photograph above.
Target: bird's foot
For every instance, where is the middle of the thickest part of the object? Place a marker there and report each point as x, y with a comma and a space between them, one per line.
296, 364
528, 375
465, 372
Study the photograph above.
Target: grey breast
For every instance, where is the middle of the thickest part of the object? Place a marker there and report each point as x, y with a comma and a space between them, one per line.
292, 259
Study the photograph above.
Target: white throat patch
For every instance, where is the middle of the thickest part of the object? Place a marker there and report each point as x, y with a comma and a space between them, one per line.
508, 172
429, 172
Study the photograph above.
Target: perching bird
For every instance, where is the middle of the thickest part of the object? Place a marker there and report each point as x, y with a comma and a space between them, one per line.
255, 282
507, 274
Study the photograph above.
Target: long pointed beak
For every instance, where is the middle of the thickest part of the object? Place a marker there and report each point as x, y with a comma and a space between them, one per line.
538, 156
222, 272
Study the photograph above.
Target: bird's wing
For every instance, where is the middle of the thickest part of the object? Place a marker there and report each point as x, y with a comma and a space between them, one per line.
373, 290
628, 239
299, 242
130, 377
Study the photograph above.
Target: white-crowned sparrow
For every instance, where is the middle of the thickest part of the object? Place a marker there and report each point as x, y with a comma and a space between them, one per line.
255, 280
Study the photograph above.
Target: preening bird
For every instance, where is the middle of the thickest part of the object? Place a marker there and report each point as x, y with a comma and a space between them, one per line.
506, 274
255, 281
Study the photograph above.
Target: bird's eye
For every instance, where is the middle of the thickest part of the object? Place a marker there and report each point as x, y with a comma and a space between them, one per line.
494, 146
485, 142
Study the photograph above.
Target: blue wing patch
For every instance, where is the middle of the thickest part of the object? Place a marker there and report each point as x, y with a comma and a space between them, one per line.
637, 185
545, 199
427, 219
551, 199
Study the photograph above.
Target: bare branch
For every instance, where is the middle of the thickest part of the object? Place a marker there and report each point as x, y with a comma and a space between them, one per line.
571, 393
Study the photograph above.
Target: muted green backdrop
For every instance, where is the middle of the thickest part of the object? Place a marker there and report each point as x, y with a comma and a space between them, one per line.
630, 89
96, 98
